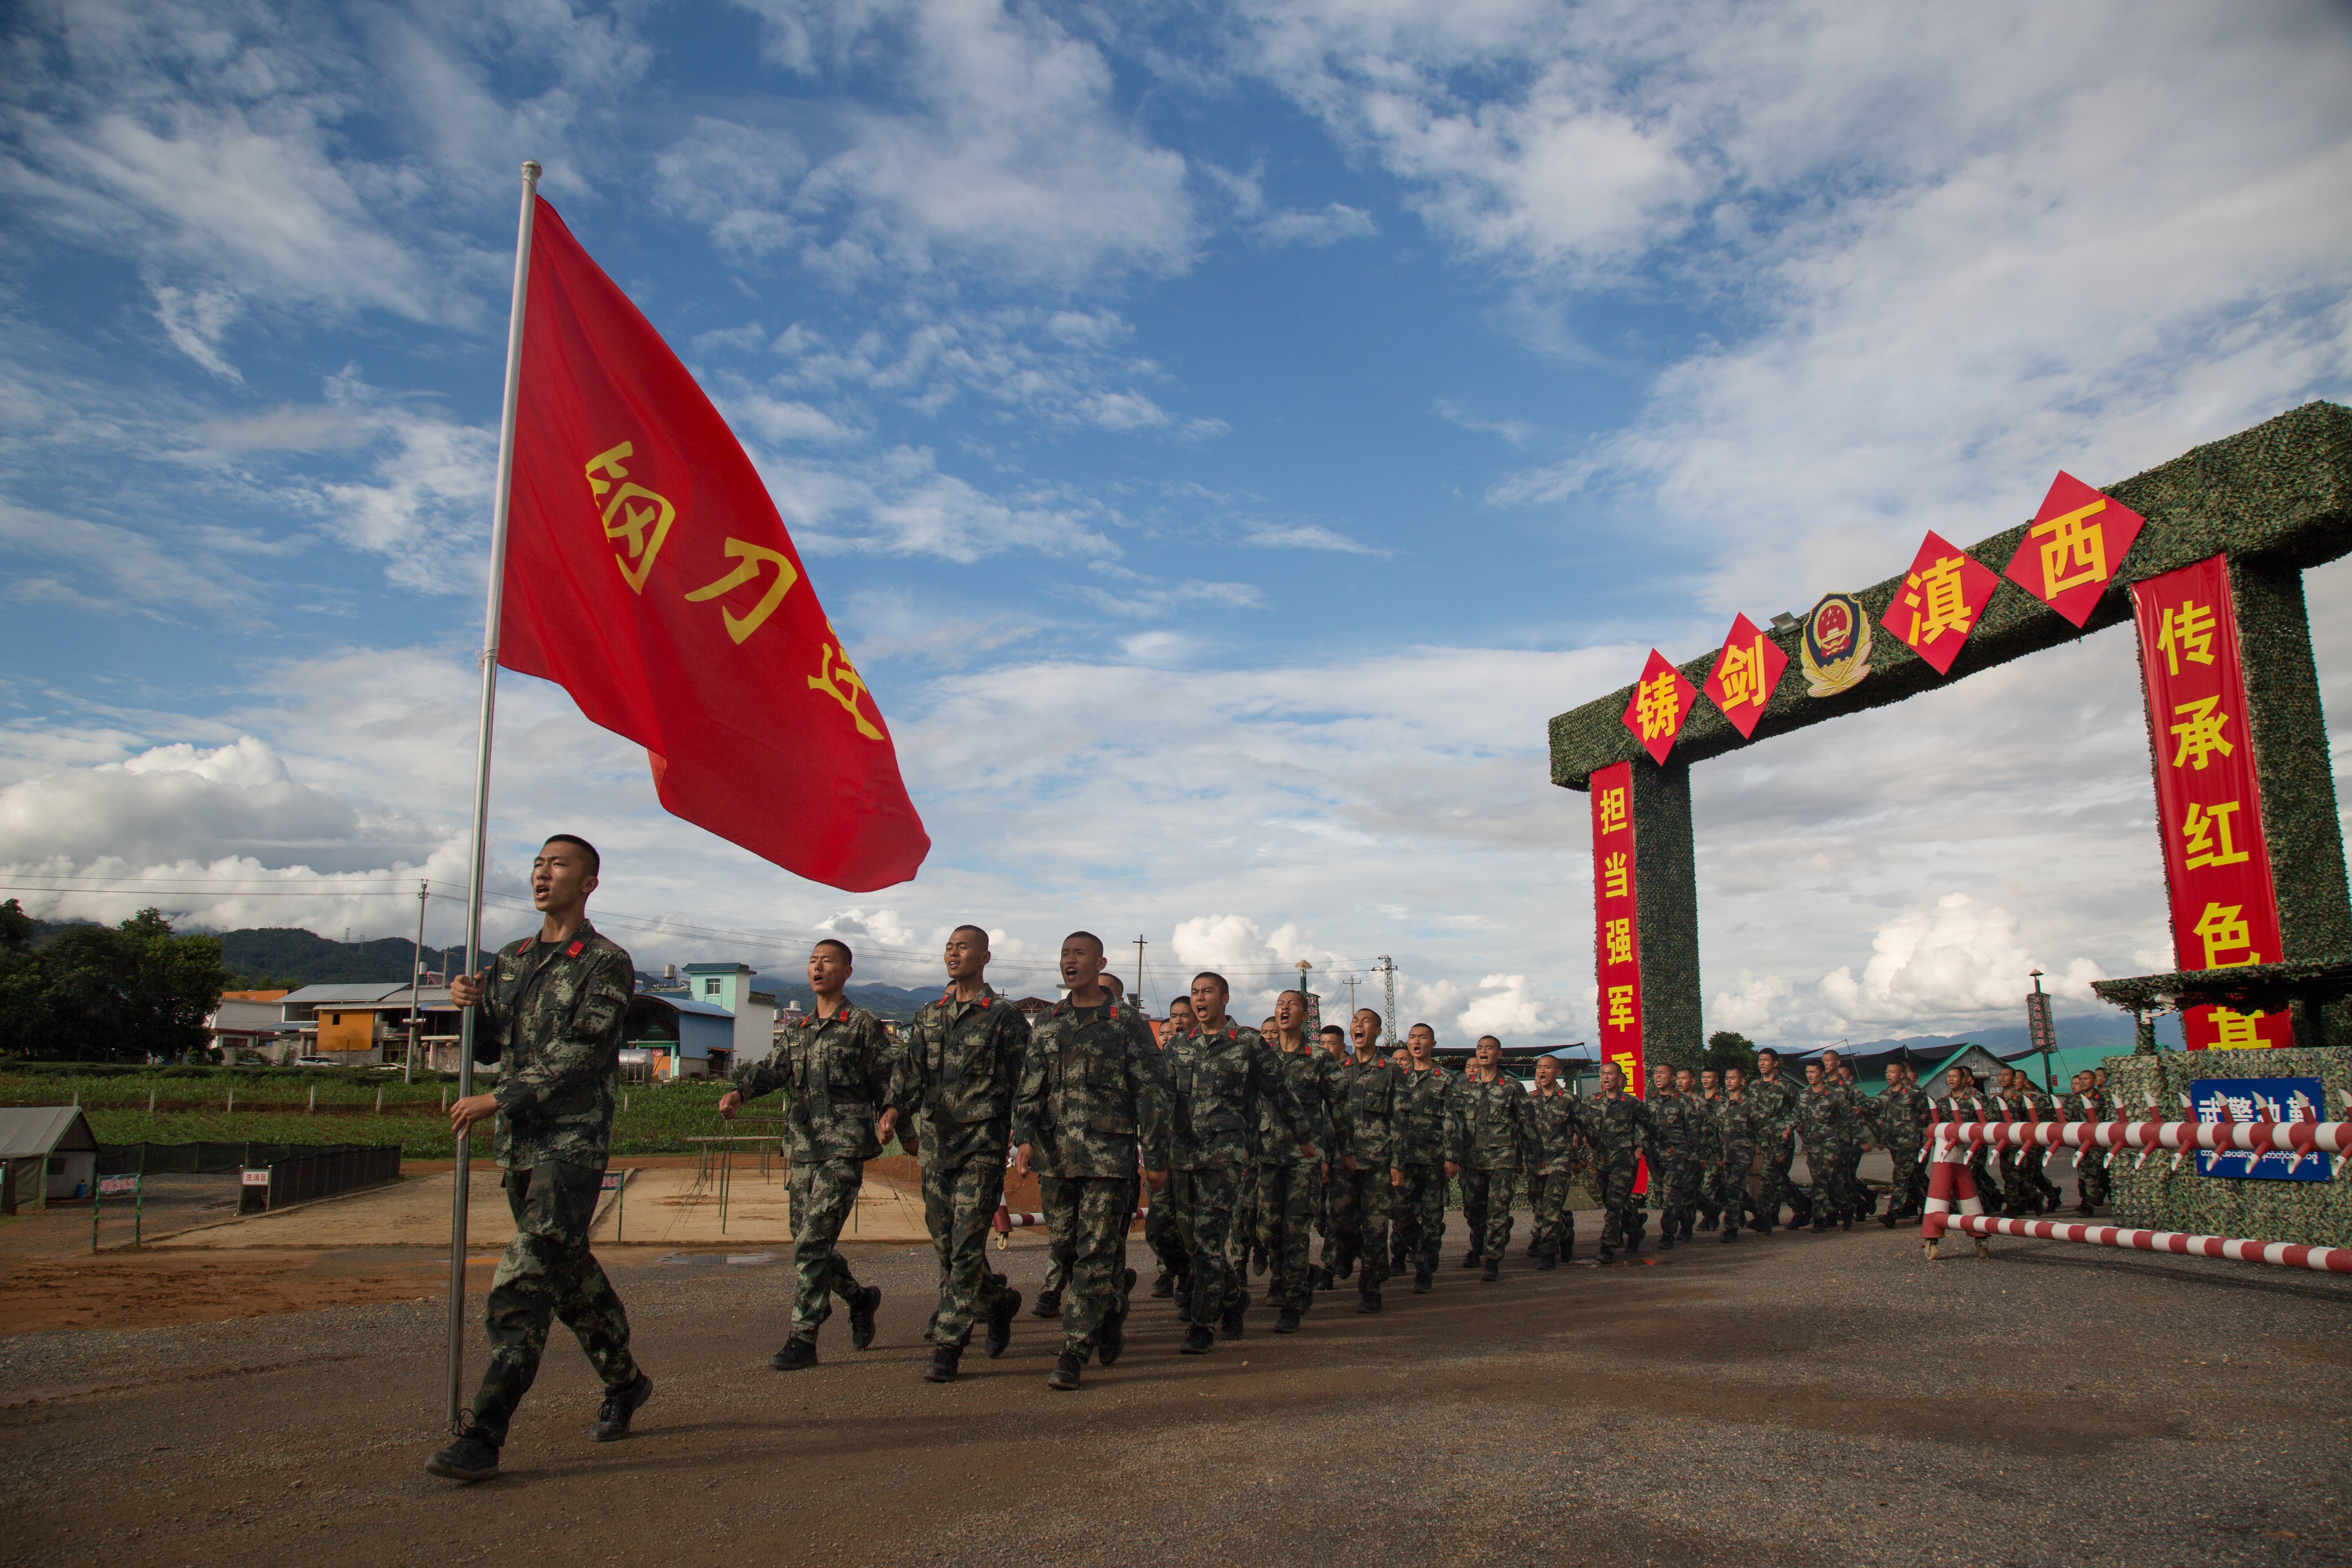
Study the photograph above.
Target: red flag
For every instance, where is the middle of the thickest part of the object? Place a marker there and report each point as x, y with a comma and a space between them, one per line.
649, 575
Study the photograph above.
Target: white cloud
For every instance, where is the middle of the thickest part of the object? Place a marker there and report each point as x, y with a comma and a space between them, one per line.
196, 321
1953, 958
1308, 536
1337, 221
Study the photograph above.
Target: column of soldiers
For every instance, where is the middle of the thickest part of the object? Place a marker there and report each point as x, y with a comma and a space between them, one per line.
1248, 1141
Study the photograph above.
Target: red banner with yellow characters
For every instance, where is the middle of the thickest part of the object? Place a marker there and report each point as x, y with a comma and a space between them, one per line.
2208, 803
1616, 934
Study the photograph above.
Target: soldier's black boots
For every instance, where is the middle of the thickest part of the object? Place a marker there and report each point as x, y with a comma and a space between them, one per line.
1198, 1340
1324, 1278
1347, 1270
861, 1316
472, 1458
1666, 1240
1546, 1263
1257, 1259
942, 1367
1887, 1219
2083, 1209
797, 1354
1471, 1260
1286, 1321
1731, 1232
1064, 1375
1847, 1222
1421, 1284
1000, 1325
1164, 1286
1494, 1271
1819, 1225
1049, 1305
620, 1404
1368, 1300
1633, 1243
1607, 1254
1110, 1340
1686, 1233
1707, 1223
1230, 1326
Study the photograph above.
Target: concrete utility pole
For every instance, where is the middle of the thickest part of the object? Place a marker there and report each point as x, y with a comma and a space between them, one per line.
416, 978
1139, 972
1387, 967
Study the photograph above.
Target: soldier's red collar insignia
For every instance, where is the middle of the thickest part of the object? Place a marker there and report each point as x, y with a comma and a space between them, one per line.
576, 947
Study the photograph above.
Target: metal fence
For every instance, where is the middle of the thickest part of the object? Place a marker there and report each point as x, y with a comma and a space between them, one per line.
319, 1174
208, 1159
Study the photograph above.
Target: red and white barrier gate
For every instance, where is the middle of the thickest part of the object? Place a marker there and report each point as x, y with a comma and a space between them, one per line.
1953, 1203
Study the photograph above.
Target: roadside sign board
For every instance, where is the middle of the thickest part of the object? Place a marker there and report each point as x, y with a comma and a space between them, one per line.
2233, 1100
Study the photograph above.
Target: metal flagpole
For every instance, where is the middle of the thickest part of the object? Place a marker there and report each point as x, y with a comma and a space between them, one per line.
463, 1179
415, 979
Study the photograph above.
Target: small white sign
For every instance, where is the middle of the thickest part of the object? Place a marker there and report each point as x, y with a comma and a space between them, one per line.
256, 1178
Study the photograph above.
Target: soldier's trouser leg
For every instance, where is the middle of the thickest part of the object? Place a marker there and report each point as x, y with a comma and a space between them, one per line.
1548, 1195
958, 1205
1612, 1180
822, 1192
2092, 1178
1820, 1167
1327, 1224
1343, 1201
1987, 1189
1285, 1200
1163, 1234
1404, 1226
1474, 1191
1906, 1192
1419, 1208
1373, 1199
1780, 1187
1246, 1232
1208, 1212
548, 1274
1711, 1190
1094, 1213
1495, 1240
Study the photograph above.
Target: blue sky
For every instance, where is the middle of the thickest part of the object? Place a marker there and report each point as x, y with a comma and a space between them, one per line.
1224, 433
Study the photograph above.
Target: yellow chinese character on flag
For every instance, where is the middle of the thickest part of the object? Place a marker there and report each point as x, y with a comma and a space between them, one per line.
1661, 711
2236, 1031
2186, 633
1617, 940
1616, 878
2074, 550
1612, 809
2205, 825
1936, 602
2077, 542
1621, 1007
2223, 930
2199, 733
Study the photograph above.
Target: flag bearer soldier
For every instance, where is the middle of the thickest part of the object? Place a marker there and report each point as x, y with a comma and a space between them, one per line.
835, 1068
1287, 1165
1550, 1151
2089, 1102
1736, 1124
1363, 1178
1341, 1225
958, 1071
553, 1008
1489, 1113
1773, 1100
1219, 1070
1903, 1129
1163, 1231
1615, 1125
1422, 1156
1093, 1106
1710, 1151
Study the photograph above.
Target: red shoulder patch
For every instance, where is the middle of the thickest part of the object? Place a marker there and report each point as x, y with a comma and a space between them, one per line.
577, 949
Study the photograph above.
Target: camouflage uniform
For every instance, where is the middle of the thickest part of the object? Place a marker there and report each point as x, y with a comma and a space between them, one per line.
1824, 1119
1614, 1130
1359, 1198
1965, 1110
1218, 1082
1489, 1142
2031, 1186
1674, 1160
836, 1074
1736, 1122
1772, 1104
959, 1066
1418, 1207
1903, 1131
1331, 1142
1286, 1177
555, 1016
1709, 1187
1549, 1153
1094, 1101
2090, 1164
1164, 1233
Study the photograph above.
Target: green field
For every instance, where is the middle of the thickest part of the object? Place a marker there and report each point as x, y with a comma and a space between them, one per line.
273, 1105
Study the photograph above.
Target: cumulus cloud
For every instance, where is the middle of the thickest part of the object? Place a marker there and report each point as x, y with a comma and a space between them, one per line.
1953, 958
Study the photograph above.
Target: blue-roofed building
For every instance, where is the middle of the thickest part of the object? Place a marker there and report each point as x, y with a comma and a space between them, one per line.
702, 1023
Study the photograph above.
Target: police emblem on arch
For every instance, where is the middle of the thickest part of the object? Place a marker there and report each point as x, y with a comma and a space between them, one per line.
1836, 648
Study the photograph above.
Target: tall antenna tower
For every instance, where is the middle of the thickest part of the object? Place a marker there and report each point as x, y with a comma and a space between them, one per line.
1387, 966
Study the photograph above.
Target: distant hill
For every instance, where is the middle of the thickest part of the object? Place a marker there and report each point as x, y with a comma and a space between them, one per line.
2111, 1028
890, 1002
309, 959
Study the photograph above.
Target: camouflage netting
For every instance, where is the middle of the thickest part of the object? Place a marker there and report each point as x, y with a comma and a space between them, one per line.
2157, 1197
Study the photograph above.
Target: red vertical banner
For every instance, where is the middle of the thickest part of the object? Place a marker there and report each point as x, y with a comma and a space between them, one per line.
2208, 807
1616, 931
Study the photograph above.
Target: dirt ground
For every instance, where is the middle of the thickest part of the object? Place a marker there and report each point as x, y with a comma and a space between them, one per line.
1799, 1400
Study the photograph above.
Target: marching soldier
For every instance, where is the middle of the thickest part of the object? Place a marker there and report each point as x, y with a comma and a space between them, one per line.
835, 1069
1710, 1151
1903, 1129
1736, 1130
1286, 1164
1773, 1100
1339, 1251
1821, 1118
1962, 1103
1551, 1165
1363, 1181
1218, 1071
1162, 1231
958, 1070
553, 1008
1615, 1126
1675, 1128
1488, 1119
1423, 1164
1093, 1105
1860, 1131
2089, 1102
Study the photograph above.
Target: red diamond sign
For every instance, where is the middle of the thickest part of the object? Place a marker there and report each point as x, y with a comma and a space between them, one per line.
1747, 672
2076, 547
1941, 598
1662, 701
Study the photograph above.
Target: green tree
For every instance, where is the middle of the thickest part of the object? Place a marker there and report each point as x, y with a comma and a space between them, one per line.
1727, 1049
110, 992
